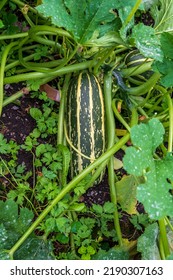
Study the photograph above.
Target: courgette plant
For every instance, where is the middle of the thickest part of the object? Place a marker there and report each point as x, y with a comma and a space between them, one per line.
96, 38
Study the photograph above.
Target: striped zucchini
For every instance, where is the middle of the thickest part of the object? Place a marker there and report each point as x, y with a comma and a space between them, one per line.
134, 58
85, 122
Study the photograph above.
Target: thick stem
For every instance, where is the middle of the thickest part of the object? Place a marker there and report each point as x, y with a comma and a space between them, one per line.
110, 124
163, 236
61, 114
2, 67
119, 117
170, 138
53, 74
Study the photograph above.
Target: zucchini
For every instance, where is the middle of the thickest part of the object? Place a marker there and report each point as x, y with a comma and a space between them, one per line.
85, 121
134, 58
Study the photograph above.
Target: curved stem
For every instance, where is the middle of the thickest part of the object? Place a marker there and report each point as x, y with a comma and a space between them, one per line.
170, 138
2, 67
119, 117
61, 114
138, 90
46, 28
38, 75
13, 36
110, 124
21, 4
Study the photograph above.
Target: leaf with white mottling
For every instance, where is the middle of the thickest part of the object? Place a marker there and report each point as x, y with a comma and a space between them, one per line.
154, 193
147, 41
147, 243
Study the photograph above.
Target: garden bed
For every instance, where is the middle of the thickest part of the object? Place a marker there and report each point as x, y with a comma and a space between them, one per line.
125, 52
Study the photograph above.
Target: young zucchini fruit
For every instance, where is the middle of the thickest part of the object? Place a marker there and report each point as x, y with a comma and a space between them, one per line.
85, 121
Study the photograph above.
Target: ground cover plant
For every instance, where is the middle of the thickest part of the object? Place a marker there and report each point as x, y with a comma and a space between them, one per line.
86, 129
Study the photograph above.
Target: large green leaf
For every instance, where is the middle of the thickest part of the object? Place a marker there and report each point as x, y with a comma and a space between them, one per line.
13, 224
165, 69
147, 243
112, 254
154, 193
166, 40
81, 17
147, 41
35, 249
126, 194
163, 16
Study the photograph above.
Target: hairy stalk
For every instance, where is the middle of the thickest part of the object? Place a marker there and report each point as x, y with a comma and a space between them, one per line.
162, 226
118, 116
61, 117
2, 67
110, 124
138, 90
69, 187
163, 237
13, 36
170, 138
53, 74
61, 114
22, 4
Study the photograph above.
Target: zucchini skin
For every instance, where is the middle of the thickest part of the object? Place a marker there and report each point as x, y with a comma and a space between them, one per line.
85, 121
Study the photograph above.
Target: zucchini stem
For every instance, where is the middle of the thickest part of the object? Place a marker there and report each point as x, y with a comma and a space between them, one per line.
110, 124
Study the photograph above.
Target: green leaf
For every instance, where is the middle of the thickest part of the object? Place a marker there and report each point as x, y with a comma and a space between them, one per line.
75, 226
147, 243
35, 113
35, 249
34, 84
145, 138
97, 208
126, 194
170, 257
41, 51
1, 24
13, 224
50, 224
63, 225
149, 3
154, 192
62, 238
8, 212
3, 237
166, 41
48, 173
90, 250
124, 11
4, 147
112, 254
82, 17
163, 16
108, 207
147, 42
165, 69
4, 255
